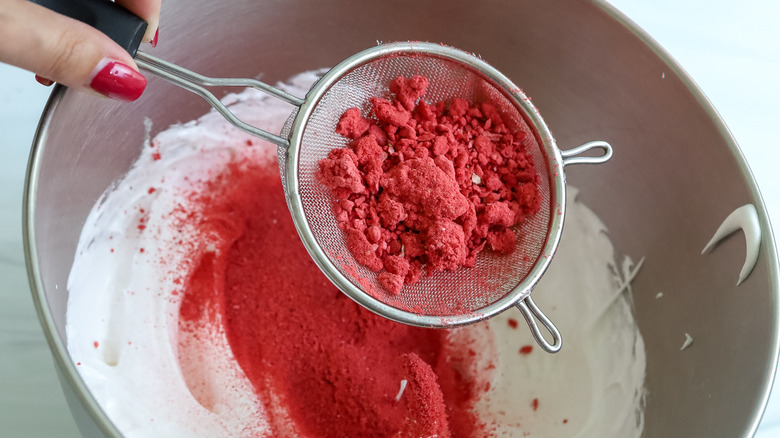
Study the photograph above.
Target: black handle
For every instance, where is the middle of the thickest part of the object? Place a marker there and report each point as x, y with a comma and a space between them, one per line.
121, 25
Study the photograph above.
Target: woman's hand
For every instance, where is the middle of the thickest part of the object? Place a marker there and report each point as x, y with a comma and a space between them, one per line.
59, 49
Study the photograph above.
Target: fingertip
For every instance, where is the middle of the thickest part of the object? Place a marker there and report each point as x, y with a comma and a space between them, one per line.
44, 81
117, 80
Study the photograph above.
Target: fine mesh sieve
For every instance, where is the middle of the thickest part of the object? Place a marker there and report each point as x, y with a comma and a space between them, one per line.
443, 296
441, 299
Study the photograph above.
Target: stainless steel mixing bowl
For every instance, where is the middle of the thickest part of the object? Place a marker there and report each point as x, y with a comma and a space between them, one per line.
675, 176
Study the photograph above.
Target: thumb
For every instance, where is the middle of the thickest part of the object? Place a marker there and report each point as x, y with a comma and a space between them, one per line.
66, 51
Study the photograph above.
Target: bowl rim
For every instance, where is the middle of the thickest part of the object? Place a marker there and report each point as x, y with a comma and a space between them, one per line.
68, 373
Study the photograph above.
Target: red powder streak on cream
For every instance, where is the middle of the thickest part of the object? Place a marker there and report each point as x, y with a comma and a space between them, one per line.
335, 367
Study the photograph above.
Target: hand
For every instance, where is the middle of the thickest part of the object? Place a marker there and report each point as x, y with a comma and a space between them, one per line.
60, 49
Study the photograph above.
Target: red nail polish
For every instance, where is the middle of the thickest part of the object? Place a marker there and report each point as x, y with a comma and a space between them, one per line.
119, 81
43, 81
154, 40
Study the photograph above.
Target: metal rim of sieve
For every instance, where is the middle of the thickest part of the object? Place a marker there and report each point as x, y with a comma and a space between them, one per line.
519, 296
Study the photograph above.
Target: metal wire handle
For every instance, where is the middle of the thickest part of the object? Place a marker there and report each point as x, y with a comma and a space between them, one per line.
531, 313
197, 83
570, 156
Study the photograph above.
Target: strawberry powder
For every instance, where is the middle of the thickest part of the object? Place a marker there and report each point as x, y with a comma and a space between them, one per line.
324, 366
426, 187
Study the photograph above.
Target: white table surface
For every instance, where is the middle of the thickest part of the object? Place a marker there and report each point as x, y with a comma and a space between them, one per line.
731, 50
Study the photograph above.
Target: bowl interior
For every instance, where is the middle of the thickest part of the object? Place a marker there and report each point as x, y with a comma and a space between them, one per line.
675, 175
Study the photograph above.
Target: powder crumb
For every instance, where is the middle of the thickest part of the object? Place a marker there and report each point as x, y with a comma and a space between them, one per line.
391, 282
535, 404
526, 349
687, 343
512, 323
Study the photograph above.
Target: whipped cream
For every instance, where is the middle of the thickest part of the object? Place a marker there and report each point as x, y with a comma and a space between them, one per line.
153, 379
746, 219
594, 387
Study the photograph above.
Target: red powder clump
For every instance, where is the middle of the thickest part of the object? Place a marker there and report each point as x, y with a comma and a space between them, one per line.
316, 358
426, 413
431, 183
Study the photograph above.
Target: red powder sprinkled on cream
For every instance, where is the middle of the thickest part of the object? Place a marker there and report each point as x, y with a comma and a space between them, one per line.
152, 190
526, 349
334, 366
156, 156
565, 421
434, 184
512, 323
535, 404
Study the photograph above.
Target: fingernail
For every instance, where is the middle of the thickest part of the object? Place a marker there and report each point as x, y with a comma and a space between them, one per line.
118, 81
154, 40
43, 81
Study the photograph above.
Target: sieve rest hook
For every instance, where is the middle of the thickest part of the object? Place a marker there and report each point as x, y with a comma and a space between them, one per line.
197, 83
531, 313
570, 156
